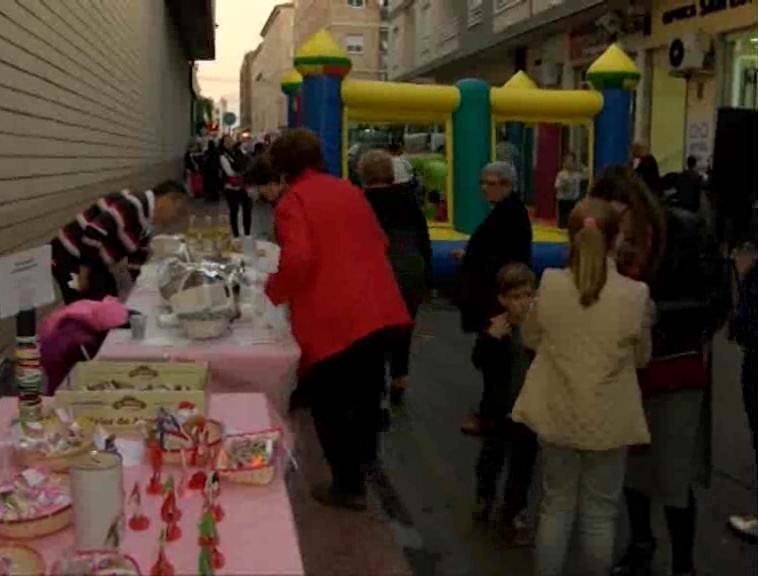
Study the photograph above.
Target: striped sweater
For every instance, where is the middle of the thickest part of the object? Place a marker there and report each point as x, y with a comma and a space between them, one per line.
116, 227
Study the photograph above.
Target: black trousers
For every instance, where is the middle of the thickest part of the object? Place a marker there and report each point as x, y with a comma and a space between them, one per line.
65, 268
517, 443
750, 398
236, 200
564, 210
345, 392
497, 373
399, 348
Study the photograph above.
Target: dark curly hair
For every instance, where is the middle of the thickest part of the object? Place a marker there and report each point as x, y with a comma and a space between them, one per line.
646, 246
296, 151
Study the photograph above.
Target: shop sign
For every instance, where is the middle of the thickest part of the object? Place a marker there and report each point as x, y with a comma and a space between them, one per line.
700, 8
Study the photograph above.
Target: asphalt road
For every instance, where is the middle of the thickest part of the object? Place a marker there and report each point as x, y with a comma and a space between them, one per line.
427, 484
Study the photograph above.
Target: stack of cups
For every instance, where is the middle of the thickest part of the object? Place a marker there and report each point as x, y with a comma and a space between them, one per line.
28, 368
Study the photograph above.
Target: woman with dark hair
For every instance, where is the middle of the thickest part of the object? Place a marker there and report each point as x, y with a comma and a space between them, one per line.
235, 194
410, 250
334, 273
673, 254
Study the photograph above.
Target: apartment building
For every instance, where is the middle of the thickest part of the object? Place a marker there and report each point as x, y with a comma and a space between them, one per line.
272, 58
94, 97
246, 89
360, 25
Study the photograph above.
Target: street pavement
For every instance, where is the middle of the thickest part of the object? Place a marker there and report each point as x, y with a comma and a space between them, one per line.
427, 482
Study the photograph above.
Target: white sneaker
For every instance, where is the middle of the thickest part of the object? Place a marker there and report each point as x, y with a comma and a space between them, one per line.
745, 525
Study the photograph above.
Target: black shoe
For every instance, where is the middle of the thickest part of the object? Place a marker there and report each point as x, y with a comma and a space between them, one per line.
636, 561
328, 495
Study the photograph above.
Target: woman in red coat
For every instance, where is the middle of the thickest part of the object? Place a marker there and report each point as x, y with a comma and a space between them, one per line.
334, 274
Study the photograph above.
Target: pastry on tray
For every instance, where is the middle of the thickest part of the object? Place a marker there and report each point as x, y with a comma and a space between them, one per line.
248, 458
53, 440
34, 504
20, 560
96, 563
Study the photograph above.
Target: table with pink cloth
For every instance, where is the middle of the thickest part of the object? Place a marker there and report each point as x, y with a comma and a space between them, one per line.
257, 534
241, 361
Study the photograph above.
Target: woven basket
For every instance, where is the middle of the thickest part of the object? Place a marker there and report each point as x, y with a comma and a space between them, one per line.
215, 435
261, 475
37, 527
25, 561
60, 461
204, 329
59, 566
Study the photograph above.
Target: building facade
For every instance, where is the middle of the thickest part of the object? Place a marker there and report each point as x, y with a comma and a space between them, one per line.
700, 56
246, 89
361, 26
273, 58
96, 97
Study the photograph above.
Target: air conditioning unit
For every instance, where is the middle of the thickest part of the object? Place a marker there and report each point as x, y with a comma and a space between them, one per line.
690, 54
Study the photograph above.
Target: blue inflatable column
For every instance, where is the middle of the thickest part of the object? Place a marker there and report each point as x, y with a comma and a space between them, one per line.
472, 150
616, 76
323, 65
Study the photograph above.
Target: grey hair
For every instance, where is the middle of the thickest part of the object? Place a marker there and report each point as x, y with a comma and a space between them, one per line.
504, 171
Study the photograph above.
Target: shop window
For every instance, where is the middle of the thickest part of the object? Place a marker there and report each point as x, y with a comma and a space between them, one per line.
742, 71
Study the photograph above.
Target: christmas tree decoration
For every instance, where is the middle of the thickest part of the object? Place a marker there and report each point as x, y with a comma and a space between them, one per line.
217, 558
208, 530
155, 487
205, 562
197, 480
138, 521
162, 566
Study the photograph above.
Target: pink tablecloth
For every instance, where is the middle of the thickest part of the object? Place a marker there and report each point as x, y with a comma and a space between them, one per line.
236, 362
257, 535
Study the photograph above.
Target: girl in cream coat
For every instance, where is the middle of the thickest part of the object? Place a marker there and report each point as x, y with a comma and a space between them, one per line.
590, 327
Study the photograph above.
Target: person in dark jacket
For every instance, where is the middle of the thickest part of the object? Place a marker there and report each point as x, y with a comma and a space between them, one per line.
646, 167
746, 332
211, 173
409, 251
504, 237
689, 187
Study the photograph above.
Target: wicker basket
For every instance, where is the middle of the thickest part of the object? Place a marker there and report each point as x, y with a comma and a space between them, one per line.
25, 561
173, 456
60, 461
204, 329
37, 527
59, 568
260, 475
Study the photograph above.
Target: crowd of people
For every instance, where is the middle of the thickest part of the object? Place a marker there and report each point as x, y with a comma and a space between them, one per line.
601, 369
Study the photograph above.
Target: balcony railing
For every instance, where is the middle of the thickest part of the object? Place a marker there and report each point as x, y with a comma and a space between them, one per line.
475, 14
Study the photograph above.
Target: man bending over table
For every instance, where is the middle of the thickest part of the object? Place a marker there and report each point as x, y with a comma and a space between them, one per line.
114, 229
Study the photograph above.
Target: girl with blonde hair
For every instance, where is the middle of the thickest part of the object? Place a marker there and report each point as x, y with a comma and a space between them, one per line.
590, 328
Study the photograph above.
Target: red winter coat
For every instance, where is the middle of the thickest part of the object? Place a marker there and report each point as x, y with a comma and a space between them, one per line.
333, 269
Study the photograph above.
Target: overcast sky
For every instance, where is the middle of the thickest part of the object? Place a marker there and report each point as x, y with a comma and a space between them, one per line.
239, 24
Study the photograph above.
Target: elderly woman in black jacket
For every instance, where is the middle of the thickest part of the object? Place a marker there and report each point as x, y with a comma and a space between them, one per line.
409, 250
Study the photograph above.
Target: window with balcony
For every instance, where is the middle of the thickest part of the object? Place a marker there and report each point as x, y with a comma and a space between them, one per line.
474, 12
425, 24
354, 43
356, 3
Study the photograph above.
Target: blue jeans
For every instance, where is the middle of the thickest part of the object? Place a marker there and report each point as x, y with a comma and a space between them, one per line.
584, 488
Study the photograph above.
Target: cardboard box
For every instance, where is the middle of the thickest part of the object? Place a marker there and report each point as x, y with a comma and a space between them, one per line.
120, 394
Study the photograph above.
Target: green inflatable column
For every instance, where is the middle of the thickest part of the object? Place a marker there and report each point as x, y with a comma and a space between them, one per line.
472, 148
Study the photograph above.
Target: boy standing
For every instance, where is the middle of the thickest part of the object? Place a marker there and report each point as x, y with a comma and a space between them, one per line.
516, 284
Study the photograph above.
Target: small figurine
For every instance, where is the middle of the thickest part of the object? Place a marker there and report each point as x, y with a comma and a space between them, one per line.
138, 521
113, 536
181, 489
155, 486
169, 510
162, 566
212, 492
208, 530
110, 444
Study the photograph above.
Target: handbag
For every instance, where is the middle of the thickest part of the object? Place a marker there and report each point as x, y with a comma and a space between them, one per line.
685, 371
